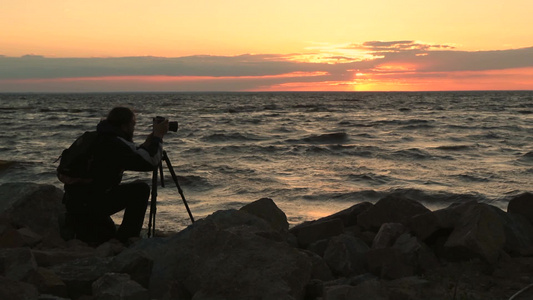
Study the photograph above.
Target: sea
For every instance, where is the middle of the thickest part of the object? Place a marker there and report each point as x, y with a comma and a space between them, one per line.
313, 153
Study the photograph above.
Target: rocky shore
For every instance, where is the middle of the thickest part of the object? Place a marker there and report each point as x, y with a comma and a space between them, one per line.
393, 249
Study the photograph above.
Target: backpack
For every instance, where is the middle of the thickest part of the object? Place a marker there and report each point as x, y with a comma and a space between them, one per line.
75, 161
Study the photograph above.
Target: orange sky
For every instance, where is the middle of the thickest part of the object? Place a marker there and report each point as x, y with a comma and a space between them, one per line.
237, 45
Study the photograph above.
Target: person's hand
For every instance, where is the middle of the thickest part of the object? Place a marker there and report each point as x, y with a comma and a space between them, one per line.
160, 129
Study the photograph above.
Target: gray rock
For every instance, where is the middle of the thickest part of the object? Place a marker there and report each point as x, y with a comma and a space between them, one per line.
47, 282
478, 232
17, 263
219, 257
368, 290
349, 215
267, 210
114, 286
391, 209
79, 275
346, 255
135, 263
17, 290
32, 205
310, 232
390, 263
387, 235
522, 205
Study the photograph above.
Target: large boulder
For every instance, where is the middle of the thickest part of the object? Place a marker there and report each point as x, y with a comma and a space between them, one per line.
31, 205
118, 286
478, 232
228, 255
522, 205
390, 209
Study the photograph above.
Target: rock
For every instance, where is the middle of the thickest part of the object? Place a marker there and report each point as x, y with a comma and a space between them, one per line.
79, 275
390, 263
32, 205
218, 257
416, 253
518, 232
118, 286
29, 237
522, 205
267, 210
320, 269
17, 263
349, 215
136, 264
424, 225
390, 209
387, 235
11, 238
17, 290
47, 282
310, 232
368, 290
52, 257
479, 232
346, 255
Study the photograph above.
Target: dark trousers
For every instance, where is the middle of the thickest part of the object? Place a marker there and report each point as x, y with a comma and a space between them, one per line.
92, 210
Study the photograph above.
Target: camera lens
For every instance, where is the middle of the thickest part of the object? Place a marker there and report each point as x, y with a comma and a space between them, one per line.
173, 126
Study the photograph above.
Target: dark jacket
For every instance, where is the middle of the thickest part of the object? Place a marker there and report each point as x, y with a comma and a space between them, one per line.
114, 153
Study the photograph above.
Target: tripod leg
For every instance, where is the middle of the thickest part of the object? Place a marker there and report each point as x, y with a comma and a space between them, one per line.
153, 205
161, 174
175, 178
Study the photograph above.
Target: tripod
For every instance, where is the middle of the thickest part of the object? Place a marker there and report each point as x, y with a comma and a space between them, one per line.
153, 202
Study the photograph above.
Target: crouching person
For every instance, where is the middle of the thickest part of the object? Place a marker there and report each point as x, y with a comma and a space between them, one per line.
92, 197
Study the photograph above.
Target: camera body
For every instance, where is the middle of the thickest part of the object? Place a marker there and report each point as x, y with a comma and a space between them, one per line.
172, 126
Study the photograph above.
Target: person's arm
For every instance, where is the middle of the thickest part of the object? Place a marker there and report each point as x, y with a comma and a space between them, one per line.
147, 156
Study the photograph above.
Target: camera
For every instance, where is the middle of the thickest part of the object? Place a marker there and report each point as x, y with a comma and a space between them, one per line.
172, 126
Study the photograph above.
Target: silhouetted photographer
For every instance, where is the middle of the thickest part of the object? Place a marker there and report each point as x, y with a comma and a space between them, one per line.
92, 170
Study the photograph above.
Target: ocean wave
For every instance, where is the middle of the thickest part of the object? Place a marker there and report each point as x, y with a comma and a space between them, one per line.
225, 137
327, 138
454, 147
6, 164
195, 182
413, 153
471, 178
370, 178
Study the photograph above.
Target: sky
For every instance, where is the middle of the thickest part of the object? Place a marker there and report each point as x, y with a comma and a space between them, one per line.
275, 45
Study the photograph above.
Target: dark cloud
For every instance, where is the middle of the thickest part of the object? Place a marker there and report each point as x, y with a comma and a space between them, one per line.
380, 47
245, 72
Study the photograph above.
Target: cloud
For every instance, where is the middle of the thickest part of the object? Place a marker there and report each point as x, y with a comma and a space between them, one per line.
330, 66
